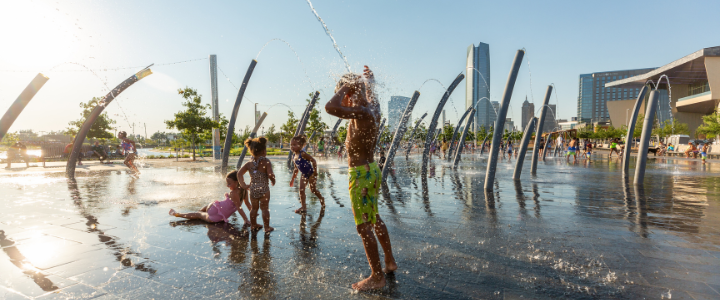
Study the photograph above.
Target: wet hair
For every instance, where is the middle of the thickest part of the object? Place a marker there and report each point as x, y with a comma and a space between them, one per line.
256, 145
300, 139
232, 175
349, 79
122, 134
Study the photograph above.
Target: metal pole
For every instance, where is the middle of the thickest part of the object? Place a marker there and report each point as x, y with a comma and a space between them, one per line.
461, 142
380, 132
523, 148
631, 128
434, 121
82, 133
500, 123
252, 135
452, 142
233, 116
303, 121
539, 126
412, 134
399, 133
645, 137
215, 109
20, 102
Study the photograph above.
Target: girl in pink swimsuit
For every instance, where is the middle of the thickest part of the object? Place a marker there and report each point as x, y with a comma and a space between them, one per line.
218, 211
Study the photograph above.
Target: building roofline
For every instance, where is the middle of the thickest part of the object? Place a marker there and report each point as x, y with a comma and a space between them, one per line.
711, 51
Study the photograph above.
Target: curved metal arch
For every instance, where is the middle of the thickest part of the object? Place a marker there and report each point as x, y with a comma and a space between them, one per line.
17, 107
433, 122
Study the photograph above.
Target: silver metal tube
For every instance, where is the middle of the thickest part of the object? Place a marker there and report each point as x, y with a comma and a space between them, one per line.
215, 109
523, 148
17, 107
539, 131
631, 128
399, 133
461, 142
252, 135
82, 133
303, 121
434, 120
500, 123
451, 149
233, 116
380, 132
645, 137
412, 133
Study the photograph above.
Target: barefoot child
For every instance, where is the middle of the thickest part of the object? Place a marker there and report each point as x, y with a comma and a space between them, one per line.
703, 153
305, 164
129, 150
354, 100
260, 170
221, 210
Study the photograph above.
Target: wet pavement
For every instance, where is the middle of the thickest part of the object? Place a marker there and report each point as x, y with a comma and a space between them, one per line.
573, 231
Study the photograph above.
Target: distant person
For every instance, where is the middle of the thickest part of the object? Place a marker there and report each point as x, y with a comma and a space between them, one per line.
356, 101
321, 147
307, 166
691, 149
572, 150
588, 149
261, 171
670, 147
381, 163
99, 151
15, 151
219, 211
704, 151
129, 150
614, 147
68, 149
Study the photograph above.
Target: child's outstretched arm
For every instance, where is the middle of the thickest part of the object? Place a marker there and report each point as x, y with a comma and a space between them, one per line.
269, 171
241, 176
236, 196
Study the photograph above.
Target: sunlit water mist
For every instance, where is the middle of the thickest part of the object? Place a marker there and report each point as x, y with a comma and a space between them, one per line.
327, 31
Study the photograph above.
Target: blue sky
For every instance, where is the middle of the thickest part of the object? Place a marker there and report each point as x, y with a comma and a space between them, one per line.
404, 42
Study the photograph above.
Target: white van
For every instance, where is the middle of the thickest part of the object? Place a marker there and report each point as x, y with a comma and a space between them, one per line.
678, 139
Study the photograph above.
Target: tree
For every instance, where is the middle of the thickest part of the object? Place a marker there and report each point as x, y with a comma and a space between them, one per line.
342, 134
670, 127
207, 135
10, 138
159, 136
271, 135
710, 126
100, 128
315, 123
288, 129
447, 133
245, 134
192, 122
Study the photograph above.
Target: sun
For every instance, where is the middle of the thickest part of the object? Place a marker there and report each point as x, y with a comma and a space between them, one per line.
35, 35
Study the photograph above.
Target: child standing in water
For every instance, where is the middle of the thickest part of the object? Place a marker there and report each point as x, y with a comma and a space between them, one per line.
305, 164
129, 150
221, 210
260, 170
703, 153
355, 100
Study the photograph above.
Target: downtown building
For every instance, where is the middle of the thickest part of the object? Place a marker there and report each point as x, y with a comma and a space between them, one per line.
694, 89
477, 85
528, 112
396, 108
594, 97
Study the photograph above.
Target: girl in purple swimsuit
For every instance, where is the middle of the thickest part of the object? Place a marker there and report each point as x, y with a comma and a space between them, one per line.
218, 211
305, 164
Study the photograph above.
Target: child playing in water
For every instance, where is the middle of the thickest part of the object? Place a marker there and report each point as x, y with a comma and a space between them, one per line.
703, 153
260, 170
221, 210
305, 164
129, 150
355, 100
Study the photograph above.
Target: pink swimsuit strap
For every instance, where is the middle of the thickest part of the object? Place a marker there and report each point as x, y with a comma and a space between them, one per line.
225, 208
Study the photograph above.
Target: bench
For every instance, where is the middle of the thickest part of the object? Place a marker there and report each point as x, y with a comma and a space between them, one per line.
55, 152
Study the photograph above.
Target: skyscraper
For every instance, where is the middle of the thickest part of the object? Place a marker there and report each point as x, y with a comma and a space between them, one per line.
477, 84
396, 108
528, 111
550, 118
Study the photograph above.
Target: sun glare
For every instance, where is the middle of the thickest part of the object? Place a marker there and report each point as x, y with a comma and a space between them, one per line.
35, 35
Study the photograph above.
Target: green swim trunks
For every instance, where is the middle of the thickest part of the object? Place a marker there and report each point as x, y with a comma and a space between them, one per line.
364, 189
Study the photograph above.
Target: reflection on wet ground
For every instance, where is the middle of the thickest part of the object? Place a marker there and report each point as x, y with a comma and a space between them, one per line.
574, 230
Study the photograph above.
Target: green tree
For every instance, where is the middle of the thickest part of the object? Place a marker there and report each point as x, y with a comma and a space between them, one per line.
271, 135
671, 127
245, 134
710, 126
315, 123
224, 122
288, 129
447, 133
10, 138
192, 122
100, 128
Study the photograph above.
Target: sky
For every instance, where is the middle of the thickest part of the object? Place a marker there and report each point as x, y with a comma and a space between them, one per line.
88, 47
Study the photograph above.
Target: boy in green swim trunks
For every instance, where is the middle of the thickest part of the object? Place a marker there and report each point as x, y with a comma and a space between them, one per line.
354, 100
